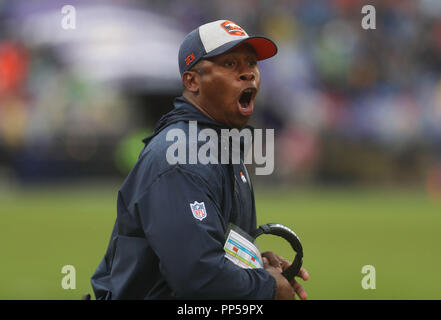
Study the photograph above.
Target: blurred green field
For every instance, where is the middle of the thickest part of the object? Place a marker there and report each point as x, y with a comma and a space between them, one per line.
398, 232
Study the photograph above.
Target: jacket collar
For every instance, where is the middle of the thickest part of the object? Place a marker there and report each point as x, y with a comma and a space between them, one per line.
185, 111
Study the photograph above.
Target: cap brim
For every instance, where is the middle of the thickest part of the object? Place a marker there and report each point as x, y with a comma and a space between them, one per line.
264, 47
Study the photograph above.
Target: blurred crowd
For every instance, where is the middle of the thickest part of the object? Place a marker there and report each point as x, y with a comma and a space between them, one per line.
348, 104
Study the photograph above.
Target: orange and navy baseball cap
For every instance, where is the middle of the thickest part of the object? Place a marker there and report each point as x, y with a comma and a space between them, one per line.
217, 37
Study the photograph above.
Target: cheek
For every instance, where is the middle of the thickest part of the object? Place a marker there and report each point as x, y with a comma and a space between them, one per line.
223, 90
258, 78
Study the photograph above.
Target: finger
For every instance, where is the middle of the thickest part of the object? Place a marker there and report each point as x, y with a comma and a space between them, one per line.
300, 290
285, 264
265, 262
273, 260
303, 273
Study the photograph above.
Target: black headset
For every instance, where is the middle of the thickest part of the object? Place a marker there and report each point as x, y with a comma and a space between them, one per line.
286, 233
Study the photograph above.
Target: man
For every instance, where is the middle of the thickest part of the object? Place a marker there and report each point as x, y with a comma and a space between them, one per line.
169, 235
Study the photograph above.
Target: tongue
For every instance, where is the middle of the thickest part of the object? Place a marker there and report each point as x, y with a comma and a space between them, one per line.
246, 107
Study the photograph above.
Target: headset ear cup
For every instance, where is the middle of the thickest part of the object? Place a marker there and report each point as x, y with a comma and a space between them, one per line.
290, 236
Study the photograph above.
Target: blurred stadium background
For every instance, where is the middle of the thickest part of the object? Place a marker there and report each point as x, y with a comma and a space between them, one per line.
357, 118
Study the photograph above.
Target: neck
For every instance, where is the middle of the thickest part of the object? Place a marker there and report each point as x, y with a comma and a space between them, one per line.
190, 98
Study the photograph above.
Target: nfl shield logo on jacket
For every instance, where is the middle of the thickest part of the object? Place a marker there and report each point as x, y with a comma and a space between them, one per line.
198, 210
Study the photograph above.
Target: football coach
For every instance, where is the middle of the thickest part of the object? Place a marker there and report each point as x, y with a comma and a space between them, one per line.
169, 236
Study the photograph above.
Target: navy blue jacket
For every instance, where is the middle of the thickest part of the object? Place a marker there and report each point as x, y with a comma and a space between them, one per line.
158, 249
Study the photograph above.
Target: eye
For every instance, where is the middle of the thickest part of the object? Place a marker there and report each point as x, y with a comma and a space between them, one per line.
229, 64
252, 63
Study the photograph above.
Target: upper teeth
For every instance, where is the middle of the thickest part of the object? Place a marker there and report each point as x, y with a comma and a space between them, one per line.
248, 90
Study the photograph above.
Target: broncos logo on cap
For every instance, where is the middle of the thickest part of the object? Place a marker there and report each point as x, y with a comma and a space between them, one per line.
232, 28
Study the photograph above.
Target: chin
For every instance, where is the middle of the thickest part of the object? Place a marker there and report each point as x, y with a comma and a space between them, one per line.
240, 125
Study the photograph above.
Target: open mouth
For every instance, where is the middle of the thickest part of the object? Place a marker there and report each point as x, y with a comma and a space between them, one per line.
246, 101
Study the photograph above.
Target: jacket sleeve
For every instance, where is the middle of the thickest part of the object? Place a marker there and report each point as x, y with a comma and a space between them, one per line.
190, 250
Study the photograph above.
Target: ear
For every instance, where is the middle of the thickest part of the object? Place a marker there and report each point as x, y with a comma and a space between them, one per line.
191, 81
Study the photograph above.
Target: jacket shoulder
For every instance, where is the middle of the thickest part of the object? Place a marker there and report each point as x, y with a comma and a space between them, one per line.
170, 150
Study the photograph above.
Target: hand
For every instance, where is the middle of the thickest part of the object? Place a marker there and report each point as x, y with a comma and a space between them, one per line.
284, 289
281, 264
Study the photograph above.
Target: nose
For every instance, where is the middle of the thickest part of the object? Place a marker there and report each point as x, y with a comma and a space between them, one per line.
247, 76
